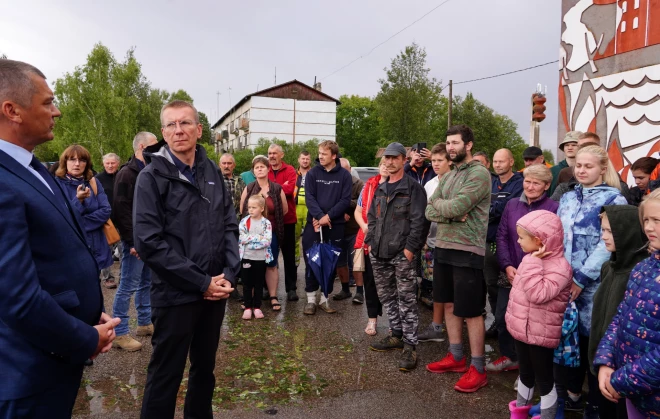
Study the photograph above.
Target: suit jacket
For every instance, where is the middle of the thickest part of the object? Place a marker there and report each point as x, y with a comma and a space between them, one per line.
50, 294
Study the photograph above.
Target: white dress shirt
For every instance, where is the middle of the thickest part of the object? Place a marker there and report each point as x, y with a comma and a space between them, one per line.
23, 157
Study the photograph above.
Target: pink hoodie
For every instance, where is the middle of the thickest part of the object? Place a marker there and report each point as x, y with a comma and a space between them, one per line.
541, 288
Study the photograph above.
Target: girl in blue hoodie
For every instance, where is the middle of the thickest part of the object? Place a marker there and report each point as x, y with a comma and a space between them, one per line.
579, 211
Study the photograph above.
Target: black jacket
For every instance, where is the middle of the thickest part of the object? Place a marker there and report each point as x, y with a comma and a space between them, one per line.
421, 174
397, 223
630, 242
107, 181
122, 204
185, 233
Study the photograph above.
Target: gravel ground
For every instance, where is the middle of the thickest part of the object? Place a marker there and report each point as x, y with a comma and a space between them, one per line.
332, 349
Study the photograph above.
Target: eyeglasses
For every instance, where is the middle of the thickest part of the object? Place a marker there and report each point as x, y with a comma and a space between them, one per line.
73, 160
171, 126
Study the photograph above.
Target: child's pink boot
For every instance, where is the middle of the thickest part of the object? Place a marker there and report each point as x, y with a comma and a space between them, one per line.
518, 412
258, 314
247, 314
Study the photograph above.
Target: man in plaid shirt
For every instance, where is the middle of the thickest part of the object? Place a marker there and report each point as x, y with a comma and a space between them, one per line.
233, 183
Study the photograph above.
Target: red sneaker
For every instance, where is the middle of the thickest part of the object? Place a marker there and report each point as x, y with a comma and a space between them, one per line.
447, 364
471, 381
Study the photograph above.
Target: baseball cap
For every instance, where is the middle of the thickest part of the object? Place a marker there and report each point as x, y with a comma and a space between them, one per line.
395, 149
532, 153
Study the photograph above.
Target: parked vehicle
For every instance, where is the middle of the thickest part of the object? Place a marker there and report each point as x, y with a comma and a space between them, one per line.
364, 173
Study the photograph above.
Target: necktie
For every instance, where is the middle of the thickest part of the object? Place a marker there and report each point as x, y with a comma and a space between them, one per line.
36, 165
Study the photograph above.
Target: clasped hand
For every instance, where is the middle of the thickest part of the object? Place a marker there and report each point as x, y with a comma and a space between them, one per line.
106, 331
219, 288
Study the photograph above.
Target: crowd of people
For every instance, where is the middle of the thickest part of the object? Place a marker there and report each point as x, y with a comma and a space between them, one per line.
566, 257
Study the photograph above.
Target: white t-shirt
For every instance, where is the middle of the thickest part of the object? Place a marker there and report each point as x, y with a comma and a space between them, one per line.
430, 187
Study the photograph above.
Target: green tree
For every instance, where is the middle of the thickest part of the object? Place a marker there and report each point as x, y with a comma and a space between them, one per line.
408, 99
207, 135
104, 103
492, 131
549, 157
358, 129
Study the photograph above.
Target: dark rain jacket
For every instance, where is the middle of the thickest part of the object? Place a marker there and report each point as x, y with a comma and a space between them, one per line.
185, 233
630, 243
421, 174
122, 205
397, 222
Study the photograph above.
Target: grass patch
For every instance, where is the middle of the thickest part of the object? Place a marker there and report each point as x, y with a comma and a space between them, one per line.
263, 365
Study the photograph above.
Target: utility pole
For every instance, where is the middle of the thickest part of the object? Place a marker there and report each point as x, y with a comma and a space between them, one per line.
451, 100
218, 104
275, 75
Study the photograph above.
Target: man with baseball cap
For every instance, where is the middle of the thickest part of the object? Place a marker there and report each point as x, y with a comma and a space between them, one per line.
397, 230
534, 155
569, 147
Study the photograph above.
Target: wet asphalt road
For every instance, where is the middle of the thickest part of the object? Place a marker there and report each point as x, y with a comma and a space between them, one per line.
363, 383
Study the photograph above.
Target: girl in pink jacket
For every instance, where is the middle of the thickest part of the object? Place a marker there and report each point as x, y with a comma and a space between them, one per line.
538, 300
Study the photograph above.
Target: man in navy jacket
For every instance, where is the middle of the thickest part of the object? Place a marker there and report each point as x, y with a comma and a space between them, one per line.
328, 196
50, 297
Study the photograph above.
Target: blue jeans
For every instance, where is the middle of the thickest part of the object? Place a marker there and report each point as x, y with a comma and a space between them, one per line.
135, 279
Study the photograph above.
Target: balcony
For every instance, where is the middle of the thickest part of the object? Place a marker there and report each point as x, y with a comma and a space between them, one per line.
245, 124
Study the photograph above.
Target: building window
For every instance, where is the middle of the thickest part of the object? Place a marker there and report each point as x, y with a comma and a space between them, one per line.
635, 23
623, 26
636, 4
624, 7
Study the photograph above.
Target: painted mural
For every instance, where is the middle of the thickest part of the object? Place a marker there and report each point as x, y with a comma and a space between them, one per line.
609, 80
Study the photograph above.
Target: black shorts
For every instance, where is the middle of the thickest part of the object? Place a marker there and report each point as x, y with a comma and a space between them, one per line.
462, 286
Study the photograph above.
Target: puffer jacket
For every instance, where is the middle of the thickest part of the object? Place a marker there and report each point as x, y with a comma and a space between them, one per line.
630, 242
584, 248
508, 250
541, 288
396, 221
631, 345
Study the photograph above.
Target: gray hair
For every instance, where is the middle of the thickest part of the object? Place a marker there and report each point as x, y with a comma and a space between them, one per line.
112, 156
259, 156
16, 84
539, 172
228, 155
276, 146
142, 138
345, 162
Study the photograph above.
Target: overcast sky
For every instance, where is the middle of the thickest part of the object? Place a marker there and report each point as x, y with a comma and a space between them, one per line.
204, 47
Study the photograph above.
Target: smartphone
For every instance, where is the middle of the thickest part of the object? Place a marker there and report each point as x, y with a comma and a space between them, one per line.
421, 146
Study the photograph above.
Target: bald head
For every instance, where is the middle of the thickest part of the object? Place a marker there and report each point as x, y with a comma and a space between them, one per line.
503, 162
345, 164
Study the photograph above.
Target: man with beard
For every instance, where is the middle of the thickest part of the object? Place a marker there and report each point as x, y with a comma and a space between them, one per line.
285, 175
460, 205
506, 186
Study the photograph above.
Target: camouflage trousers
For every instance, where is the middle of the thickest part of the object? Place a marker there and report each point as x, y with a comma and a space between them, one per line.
397, 290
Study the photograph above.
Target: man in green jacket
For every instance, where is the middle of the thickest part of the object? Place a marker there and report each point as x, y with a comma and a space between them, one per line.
569, 147
460, 205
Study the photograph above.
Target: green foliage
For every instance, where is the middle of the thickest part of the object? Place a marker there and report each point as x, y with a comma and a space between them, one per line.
104, 103
358, 129
492, 131
207, 135
291, 152
549, 157
408, 100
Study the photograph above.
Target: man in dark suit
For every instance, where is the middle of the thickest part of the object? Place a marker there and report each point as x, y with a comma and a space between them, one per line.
51, 317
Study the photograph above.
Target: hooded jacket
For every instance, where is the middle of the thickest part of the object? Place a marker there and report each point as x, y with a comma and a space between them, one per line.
328, 192
421, 174
501, 194
584, 248
185, 233
465, 190
541, 287
555, 174
631, 345
630, 242
509, 252
396, 220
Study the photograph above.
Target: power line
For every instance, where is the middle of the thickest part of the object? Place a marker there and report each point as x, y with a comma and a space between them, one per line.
505, 74
374, 48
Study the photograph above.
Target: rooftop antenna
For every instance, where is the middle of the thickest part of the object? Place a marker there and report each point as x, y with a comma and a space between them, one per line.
218, 102
275, 75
